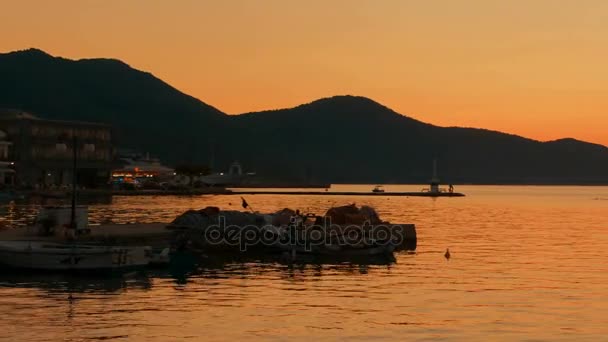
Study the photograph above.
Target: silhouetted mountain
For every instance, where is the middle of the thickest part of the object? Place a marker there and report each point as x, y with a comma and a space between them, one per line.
353, 139
146, 113
338, 139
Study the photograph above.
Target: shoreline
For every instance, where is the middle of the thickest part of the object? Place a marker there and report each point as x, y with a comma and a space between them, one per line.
62, 194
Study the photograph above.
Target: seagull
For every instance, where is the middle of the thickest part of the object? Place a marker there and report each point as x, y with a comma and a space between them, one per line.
447, 254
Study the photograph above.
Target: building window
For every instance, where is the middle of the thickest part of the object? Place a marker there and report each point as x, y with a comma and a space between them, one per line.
89, 148
61, 147
3, 151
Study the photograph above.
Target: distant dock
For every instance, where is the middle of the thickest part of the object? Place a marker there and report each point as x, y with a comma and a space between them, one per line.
239, 191
270, 185
349, 193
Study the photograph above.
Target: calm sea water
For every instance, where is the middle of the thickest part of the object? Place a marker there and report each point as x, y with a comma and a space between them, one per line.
528, 263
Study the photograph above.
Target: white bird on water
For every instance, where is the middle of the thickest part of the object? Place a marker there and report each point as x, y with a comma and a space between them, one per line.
447, 254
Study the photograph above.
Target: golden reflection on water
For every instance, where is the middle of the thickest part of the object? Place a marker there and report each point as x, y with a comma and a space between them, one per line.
527, 262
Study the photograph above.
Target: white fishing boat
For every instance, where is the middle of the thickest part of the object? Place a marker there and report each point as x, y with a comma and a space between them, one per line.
57, 242
53, 256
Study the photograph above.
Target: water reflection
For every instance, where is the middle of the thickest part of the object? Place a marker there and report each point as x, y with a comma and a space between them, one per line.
527, 263
186, 268
20, 213
66, 283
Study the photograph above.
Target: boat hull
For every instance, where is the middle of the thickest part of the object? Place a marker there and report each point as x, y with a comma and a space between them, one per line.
66, 257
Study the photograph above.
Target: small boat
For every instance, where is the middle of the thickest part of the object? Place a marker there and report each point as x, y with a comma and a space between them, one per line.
55, 256
378, 188
341, 233
55, 245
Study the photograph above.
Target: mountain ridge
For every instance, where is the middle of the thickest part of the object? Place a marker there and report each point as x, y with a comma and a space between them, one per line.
342, 138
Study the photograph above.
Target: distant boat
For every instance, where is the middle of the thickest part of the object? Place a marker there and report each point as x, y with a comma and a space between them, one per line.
378, 188
52, 256
233, 177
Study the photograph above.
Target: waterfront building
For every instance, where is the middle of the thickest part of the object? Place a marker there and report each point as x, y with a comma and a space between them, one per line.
40, 152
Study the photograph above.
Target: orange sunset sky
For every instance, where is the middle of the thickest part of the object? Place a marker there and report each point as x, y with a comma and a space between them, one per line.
537, 68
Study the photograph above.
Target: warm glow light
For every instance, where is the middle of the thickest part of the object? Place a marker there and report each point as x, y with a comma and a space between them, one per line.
532, 68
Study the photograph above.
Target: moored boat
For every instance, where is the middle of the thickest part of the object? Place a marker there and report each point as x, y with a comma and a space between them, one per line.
341, 232
59, 242
54, 256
